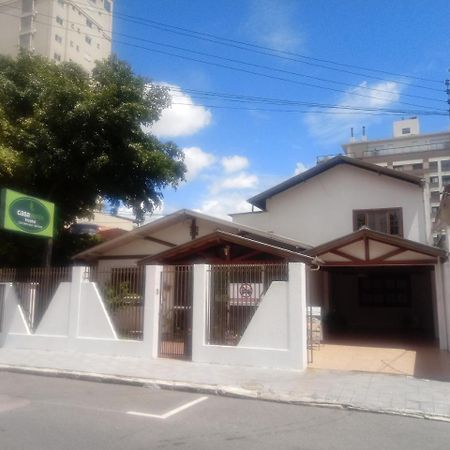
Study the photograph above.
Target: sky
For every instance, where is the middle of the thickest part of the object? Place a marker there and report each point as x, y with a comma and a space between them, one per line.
373, 54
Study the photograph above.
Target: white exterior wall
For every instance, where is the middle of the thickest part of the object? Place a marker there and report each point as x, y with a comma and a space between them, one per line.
176, 234
284, 346
321, 209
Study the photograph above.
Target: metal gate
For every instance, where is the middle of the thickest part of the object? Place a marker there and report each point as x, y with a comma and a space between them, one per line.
175, 313
314, 330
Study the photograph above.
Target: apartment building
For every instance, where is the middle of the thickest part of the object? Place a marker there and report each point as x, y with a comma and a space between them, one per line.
424, 155
62, 30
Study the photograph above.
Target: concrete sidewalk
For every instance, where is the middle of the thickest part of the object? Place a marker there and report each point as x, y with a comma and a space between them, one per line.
394, 394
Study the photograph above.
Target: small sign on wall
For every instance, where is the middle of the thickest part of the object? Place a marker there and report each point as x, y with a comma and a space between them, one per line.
245, 294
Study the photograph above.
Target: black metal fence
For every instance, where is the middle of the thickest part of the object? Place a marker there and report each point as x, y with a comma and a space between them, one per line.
35, 288
122, 290
234, 295
175, 314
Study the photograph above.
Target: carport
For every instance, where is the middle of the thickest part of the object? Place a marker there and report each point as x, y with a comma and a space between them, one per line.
377, 293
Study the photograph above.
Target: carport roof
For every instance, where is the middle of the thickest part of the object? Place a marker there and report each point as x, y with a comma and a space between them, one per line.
367, 247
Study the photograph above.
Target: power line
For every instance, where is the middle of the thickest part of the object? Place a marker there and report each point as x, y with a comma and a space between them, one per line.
286, 58
261, 66
216, 38
252, 65
342, 113
230, 67
284, 102
261, 74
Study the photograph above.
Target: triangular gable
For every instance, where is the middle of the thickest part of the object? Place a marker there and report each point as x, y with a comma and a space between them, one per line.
224, 248
366, 247
260, 200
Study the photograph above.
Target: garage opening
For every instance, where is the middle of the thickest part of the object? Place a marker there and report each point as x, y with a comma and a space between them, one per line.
379, 319
390, 303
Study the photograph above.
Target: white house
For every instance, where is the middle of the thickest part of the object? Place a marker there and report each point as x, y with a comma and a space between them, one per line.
350, 238
365, 228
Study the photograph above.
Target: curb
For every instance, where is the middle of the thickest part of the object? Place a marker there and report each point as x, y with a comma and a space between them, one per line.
211, 389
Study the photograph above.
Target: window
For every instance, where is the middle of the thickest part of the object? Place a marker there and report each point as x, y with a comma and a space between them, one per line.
434, 181
107, 4
88, 40
61, 2
398, 167
406, 130
57, 57
89, 23
59, 20
446, 180
433, 166
58, 38
418, 166
434, 210
445, 165
389, 221
435, 196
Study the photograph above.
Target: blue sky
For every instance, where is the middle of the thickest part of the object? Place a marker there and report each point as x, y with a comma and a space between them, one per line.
234, 153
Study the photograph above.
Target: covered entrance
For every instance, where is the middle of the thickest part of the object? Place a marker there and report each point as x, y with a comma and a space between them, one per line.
379, 305
242, 269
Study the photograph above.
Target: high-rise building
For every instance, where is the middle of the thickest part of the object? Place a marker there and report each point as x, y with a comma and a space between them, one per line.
62, 30
424, 155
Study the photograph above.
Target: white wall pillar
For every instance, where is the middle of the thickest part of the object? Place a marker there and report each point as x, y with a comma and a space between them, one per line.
441, 307
151, 308
78, 275
297, 336
199, 300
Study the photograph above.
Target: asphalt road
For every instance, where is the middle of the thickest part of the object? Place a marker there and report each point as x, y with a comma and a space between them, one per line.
39, 413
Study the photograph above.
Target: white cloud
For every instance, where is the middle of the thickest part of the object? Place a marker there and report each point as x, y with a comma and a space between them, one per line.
196, 160
335, 127
300, 167
273, 23
234, 163
183, 118
221, 206
242, 180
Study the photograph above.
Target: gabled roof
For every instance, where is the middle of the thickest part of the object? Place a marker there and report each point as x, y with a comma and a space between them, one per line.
260, 199
183, 214
199, 245
368, 247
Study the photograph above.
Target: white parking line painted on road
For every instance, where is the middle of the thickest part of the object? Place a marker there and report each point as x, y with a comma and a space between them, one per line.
169, 413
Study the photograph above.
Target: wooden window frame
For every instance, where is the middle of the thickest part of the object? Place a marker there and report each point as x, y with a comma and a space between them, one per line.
380, 210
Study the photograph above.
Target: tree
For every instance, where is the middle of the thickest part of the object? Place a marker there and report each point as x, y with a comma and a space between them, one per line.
70, 137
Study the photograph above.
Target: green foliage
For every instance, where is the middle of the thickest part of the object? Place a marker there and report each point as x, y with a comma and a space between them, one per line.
120, 295
74, 138
20, 250
71, 138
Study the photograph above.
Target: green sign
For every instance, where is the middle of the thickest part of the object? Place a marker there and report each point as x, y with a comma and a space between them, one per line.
25, 214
